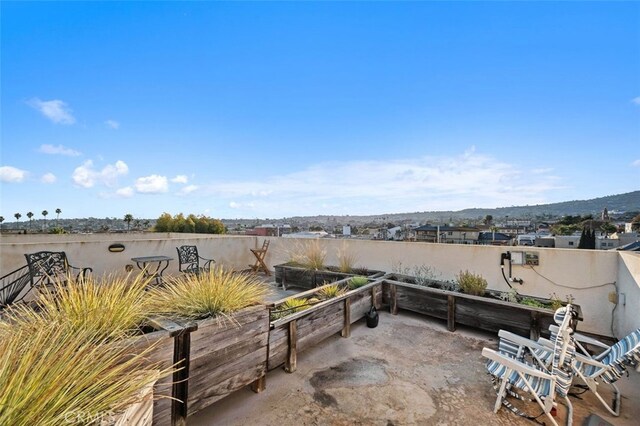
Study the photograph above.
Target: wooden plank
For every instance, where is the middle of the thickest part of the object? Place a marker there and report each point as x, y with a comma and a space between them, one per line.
206, 365
346, 328
218, 391
490, 317
200, 386
180, 390
393, 299
433, 304
278, 346
292, 356
451, 313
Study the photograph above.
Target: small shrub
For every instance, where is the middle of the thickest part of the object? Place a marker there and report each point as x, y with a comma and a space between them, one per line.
532, 302
51, 374
471, 283
557, 303
357, 282
218, 292
450, 286
510, 296
425, 274
330, 291
346, 259
309, 254
111, 307
289, 307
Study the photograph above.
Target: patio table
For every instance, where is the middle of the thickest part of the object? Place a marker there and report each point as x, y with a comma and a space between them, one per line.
153, 266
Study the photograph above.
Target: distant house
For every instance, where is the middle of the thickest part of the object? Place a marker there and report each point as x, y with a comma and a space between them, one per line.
269, 230
567, 241
494, 238
447, 234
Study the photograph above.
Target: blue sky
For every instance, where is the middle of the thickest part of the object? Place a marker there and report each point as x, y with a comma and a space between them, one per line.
279, 109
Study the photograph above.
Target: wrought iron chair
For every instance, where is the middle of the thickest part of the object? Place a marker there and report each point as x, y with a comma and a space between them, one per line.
48, 267
13, 285
189, 260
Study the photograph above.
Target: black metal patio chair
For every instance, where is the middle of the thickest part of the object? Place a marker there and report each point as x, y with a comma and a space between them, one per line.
48, 267
14, 286
189, 260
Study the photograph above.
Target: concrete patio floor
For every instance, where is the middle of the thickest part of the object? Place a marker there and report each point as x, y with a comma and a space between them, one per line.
421, 375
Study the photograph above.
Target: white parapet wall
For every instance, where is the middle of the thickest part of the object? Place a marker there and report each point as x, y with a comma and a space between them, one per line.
588, 276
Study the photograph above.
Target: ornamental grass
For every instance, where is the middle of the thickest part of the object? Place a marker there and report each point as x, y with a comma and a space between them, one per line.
330, 291
111, 307
217, 292
53, 375
310, 254
346, 259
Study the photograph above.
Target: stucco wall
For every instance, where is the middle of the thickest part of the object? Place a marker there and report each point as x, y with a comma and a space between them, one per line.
587, 275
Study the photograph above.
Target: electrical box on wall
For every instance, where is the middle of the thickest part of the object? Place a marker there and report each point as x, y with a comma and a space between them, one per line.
517, 258
531, 258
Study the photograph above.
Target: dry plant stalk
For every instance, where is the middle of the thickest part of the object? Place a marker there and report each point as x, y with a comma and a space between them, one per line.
112, 307
51, 374
346, 259
218, 292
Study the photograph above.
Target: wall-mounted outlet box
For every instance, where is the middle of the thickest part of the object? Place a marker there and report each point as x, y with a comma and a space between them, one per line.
531, 258
517, 258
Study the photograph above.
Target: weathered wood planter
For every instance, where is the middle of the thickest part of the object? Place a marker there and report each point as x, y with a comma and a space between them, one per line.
226, 356
294, 276
216, 358
304, 329
138, 414
485, 313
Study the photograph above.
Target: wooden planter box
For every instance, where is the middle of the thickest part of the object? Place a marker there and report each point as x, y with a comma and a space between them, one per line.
226, 356
217, 358
485, 313
139, 414
293, 276
304, 329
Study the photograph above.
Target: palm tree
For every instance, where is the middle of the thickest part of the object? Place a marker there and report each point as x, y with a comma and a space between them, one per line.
18, 216
44, 213
1, 220
30, 215
128, 218
58, 211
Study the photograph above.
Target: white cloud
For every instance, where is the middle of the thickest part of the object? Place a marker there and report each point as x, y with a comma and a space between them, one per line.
12, 174
48, 178
126, 192
636, 100
364, 187
180, 179
55, 110
636, 163
153, 184
60, 150
188, 189
112, 124
87, 176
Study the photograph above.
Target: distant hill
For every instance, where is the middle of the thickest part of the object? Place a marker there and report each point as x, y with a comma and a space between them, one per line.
628, 202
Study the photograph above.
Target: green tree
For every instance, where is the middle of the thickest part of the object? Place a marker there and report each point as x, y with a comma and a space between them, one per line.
1, 220
164, 222
58, 211
609, 228
488, 219
30, 216
17, 216
128, 218
44, 214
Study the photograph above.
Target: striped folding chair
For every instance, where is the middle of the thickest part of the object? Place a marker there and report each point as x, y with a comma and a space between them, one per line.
513, 375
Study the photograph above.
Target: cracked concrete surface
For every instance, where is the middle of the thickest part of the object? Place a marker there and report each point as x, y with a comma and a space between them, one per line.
407, 371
